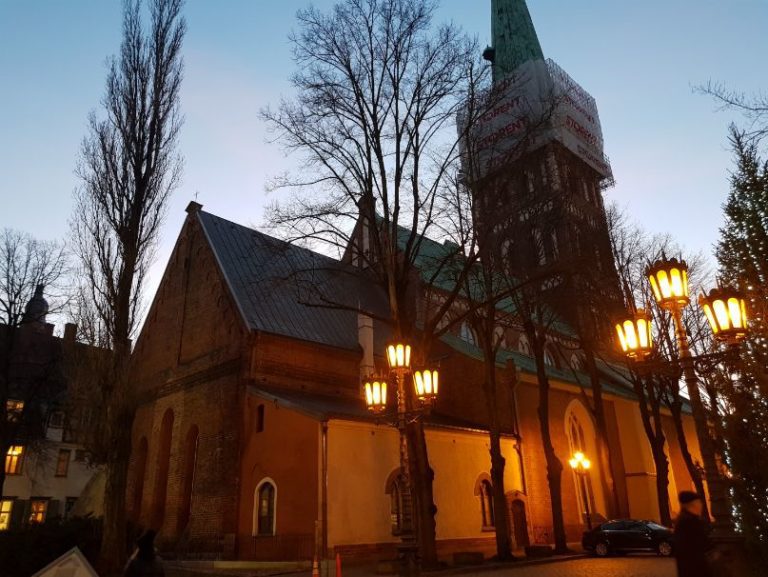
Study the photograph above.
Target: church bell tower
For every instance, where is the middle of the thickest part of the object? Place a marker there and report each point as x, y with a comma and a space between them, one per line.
538, 171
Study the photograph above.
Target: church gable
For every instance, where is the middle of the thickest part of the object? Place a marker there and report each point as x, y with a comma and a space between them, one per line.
193, 322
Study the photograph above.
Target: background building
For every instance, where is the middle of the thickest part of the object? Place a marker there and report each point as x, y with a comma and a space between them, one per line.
46, 468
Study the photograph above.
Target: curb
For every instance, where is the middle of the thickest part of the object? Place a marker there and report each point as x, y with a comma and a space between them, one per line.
495, 566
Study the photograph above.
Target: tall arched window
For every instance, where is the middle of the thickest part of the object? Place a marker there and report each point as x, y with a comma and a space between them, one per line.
394, 489
467, 334
550, 357
188, 479
486, 504
523, 346
140, 469
264, 497
577, 442
161, 470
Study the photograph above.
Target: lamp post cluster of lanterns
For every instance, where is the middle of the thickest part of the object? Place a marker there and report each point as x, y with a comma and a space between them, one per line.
726, 314
581, 465
425, 383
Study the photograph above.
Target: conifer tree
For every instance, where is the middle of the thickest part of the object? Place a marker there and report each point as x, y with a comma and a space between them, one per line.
742, 253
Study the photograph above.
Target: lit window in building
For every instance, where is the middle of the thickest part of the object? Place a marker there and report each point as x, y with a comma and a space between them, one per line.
6, 508
15, 409
486, 503
62, 465
265, 514
14, 460
37, 510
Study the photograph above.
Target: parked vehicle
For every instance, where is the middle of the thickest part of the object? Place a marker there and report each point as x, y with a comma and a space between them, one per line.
628, 535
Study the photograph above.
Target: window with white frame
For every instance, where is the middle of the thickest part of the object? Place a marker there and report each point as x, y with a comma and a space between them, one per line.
265, 497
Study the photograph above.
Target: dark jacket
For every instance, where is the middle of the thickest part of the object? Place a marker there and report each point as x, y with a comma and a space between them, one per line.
142, 565
691, 545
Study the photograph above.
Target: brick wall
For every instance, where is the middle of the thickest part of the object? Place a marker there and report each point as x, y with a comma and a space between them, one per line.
188, 360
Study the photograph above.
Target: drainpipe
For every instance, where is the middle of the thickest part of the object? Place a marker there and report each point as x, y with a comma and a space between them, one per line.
324, 488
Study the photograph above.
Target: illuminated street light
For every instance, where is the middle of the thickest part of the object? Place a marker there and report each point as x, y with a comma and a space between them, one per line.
635, 335
425, 381
669, 282
581, 465
726, 311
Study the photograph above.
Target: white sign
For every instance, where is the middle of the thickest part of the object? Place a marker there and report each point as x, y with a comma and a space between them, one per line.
71, 564
538, 103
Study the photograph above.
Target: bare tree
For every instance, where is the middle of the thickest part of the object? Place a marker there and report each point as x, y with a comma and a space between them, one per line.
129, 167
27, 267
753, 107
378, 89
659, 384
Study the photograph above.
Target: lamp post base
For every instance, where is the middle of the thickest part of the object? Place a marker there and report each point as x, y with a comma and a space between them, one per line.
408, 562
729, 557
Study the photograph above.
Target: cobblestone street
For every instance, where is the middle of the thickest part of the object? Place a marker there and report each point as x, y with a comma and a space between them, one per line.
635, 566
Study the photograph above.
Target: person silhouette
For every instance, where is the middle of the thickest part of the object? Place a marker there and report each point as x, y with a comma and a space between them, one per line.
145, 562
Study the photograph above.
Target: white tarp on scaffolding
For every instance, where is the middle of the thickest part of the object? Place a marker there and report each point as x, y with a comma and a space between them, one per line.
538, 103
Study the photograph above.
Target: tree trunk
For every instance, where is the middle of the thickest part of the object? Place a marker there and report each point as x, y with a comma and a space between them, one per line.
554, 466
693, 470
605, 457
498, 463
114, 545
425, 510
662, 482
500, 511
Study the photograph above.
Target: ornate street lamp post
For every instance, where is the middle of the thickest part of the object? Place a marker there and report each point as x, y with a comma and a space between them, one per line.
425, 383
726, 312
581, 465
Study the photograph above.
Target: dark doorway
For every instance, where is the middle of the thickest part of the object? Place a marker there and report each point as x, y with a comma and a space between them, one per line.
520, 523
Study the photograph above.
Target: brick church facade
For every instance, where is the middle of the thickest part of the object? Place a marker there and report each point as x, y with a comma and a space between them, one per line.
253, 441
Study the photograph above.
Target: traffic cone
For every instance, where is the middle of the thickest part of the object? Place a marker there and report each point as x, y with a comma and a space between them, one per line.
338, 565
315, 568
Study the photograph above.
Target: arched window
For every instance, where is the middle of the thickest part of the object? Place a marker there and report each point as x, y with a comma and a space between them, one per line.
550, 357
188, 480
499, 337
264, 500
523, 347
138, 483
467, 334
577, 443
486, 504
576, 363
161, 470
394, 488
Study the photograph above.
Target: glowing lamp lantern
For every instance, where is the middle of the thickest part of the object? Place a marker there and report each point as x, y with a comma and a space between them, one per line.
726, 311
635, 335
376, 394
399, 355
425, 382
669, 282
579, 462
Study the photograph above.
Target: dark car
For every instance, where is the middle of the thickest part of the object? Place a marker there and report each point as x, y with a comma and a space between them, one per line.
627, 535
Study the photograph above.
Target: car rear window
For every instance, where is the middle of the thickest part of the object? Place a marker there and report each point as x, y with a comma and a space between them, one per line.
658, 527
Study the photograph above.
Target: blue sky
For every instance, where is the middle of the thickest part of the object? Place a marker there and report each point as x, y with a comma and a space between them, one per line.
638, 59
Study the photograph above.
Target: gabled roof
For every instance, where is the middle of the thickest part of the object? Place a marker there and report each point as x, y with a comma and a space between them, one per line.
288, 290
284, 289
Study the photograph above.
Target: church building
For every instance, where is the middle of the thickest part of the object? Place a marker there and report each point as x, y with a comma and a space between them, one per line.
253, 441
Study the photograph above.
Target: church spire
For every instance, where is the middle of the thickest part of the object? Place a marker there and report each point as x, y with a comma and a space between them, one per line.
514, 37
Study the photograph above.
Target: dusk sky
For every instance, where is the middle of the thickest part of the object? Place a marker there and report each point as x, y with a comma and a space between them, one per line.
639, 60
